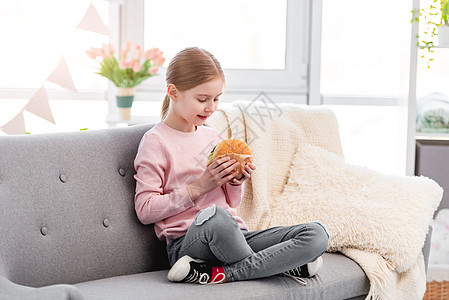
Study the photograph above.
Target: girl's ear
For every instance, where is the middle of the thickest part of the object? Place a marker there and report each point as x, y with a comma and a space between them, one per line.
172, 92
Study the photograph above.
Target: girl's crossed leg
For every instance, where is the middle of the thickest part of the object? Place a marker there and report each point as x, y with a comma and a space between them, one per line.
215, 237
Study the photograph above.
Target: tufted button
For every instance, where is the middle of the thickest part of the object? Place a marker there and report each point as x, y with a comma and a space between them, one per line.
106, 223
44, 231
63, 178
121, 172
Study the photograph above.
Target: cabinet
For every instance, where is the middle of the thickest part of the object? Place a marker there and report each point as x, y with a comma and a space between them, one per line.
432, 160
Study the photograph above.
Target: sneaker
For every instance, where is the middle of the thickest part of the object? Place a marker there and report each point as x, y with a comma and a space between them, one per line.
304, 271
190, 270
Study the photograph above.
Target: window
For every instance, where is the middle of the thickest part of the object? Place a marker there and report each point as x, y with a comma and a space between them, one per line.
241, 34
263, 45
369, 136
361, 47
435, 78
364, 56
259, 43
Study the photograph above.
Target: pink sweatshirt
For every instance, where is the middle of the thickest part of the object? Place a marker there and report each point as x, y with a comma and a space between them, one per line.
167, 162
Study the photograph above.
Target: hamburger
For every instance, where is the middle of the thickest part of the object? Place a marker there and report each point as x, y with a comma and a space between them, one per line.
235, 149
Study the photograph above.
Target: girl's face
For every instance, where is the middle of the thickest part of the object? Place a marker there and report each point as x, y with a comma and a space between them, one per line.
193, 107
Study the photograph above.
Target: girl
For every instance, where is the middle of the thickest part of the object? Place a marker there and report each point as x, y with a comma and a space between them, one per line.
194, 207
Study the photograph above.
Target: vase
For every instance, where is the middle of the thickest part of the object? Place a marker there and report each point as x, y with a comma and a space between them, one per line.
443, 36
125, 98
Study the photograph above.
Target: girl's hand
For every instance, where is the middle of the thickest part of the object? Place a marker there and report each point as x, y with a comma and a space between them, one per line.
249, 168
220, 171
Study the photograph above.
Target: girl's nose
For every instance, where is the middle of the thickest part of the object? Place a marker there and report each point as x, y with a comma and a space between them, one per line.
210, 107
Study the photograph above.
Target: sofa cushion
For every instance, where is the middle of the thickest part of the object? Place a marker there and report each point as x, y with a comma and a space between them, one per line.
340, 278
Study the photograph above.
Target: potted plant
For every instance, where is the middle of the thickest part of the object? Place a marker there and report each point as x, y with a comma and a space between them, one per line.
129, 69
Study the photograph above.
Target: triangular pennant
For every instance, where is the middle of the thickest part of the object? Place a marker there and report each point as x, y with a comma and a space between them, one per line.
16, 125
61, 75
92, 22
39, 105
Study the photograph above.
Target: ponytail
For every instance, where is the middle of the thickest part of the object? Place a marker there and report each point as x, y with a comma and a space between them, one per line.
165, 106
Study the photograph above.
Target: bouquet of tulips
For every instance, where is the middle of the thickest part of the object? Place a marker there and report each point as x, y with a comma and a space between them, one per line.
132, 65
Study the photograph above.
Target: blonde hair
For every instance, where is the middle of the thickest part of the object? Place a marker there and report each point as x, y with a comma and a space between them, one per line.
189, 68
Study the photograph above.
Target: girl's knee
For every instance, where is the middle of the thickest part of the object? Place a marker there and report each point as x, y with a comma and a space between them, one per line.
213, 216
319, 235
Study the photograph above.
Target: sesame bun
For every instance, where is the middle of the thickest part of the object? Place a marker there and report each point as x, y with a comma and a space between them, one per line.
233, 148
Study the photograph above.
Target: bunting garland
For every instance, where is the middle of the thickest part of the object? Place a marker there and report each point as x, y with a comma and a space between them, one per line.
38, 104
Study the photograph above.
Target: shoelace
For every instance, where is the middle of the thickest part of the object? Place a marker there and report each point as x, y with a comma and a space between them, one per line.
202, 278
223, 277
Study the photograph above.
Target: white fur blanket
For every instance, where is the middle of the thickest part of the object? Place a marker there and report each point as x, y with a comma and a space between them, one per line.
379, 221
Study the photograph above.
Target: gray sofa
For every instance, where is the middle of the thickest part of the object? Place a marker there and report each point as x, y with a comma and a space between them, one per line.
68, 229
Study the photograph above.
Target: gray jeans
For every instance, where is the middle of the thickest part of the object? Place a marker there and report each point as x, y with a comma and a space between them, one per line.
215, 237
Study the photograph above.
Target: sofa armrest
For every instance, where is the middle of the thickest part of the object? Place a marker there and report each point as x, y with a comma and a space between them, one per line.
12, 291
426, 247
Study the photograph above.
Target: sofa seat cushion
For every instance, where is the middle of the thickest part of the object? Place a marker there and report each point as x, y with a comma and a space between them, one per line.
340, 278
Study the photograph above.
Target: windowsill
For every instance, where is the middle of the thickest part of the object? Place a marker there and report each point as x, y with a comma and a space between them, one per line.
113, 120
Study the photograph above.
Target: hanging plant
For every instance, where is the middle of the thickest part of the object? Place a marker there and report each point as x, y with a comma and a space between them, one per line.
430, 18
